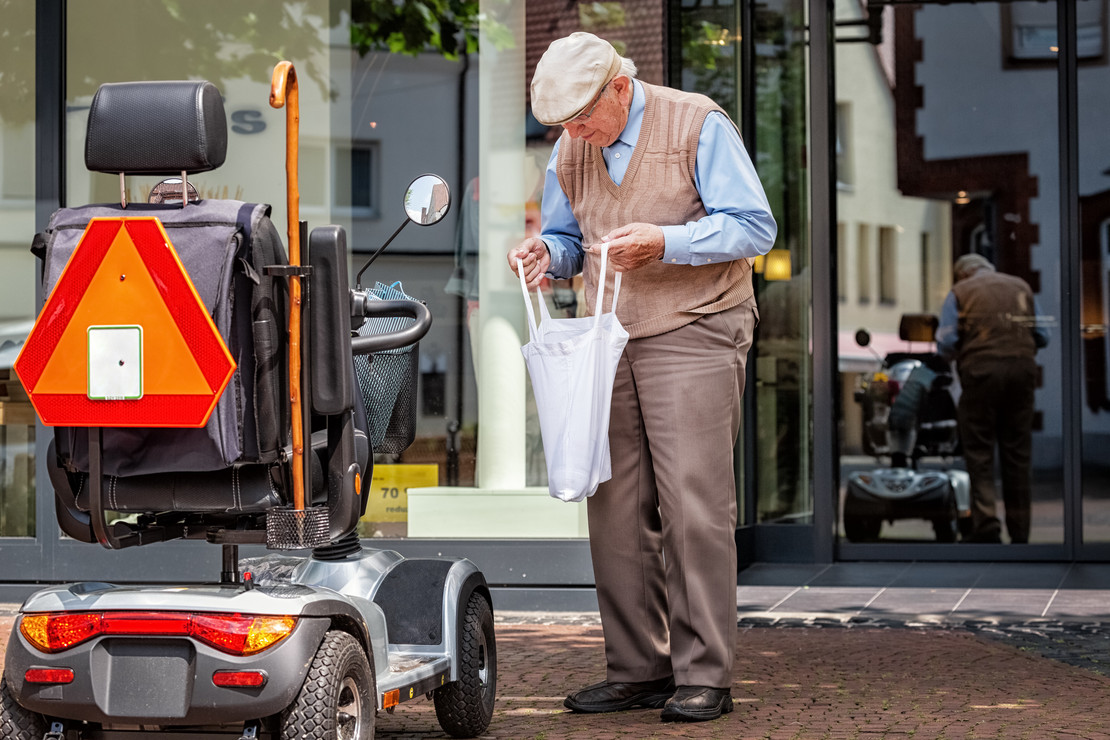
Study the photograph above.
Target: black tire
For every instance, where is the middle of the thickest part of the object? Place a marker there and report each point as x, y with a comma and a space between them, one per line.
945, 526
859, 528
337, 700
945, 529
464, 708
17, 723
966, 526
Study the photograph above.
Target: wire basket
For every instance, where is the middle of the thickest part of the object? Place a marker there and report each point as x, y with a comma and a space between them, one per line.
387, 380
297, 529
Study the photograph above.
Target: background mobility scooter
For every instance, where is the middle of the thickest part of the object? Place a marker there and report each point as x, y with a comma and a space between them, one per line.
177, 407
908, 414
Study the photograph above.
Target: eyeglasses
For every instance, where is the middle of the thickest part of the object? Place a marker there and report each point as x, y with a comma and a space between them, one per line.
582, 118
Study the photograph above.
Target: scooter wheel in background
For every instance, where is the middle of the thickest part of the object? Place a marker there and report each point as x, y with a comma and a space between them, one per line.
945, 526
464, 708
17, 723
337, 699
862, 528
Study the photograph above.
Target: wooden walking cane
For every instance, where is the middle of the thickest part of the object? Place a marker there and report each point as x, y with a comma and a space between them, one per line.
283, 92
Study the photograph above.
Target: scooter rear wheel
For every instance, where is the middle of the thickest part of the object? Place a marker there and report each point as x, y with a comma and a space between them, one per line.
337, 699
17, 723
464, 708
859, 528
945, 527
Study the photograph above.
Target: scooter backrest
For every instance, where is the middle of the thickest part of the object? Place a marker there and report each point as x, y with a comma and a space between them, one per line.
156, 128
918, 327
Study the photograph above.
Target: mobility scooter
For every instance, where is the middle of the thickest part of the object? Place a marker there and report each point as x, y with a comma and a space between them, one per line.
908, 414
189, 403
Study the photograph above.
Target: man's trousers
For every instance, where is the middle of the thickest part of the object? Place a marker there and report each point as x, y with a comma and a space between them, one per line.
996, 409
662, 530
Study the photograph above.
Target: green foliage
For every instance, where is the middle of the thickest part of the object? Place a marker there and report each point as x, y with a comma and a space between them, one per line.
708, 54
247, 37
598, 16
449, 27
17, 61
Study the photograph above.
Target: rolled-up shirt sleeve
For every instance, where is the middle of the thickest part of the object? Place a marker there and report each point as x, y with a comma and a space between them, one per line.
739, 222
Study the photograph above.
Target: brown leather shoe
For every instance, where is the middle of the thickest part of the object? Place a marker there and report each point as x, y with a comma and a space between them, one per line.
696, 704
614, 697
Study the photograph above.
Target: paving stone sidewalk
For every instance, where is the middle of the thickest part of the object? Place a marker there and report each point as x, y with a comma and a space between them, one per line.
812, 678
805, 681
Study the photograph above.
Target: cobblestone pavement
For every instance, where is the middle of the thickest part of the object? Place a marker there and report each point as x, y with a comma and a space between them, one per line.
819, 678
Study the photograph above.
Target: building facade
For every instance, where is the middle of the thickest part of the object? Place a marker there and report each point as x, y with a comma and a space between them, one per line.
891, 138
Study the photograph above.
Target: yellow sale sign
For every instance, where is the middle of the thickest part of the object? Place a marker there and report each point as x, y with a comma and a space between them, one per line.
389, 490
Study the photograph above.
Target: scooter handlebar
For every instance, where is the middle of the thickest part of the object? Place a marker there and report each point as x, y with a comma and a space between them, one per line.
394, 339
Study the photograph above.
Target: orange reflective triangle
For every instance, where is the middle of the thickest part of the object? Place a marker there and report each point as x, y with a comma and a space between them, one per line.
123, 293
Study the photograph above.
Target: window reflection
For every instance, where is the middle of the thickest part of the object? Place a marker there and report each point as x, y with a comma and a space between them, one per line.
952, 169
17, 284
710, 53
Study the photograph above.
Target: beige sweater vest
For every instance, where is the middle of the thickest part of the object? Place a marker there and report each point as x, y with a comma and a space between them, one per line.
997, 313
657, 188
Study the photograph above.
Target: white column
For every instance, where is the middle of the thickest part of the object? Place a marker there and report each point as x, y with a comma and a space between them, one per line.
501, 374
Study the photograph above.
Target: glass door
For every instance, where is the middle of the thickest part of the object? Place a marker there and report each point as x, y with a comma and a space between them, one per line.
947, 155
1094, 270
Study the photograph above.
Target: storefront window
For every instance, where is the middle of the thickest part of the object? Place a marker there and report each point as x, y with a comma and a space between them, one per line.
371, 120
711, 38
17, 284
228, 44
953, 155
700, 42
783, 362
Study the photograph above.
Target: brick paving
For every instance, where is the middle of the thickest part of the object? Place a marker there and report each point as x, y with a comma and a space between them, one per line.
795, 680
804, 682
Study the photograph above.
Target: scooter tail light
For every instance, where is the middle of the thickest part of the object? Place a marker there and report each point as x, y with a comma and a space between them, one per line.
267, 631
162, 624
237, 634
52, 633
48, 675
239, 679
242, 634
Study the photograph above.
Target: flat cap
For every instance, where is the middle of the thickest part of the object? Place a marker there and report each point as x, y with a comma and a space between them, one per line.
569, 76
969, 264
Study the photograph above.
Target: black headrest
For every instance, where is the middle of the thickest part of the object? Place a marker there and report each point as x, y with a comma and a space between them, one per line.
156, 128
918, 327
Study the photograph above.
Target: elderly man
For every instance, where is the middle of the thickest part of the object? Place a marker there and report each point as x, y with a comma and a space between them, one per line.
989, 325
663, 178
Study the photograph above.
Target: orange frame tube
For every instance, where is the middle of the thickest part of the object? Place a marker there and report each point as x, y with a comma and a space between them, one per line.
283, 93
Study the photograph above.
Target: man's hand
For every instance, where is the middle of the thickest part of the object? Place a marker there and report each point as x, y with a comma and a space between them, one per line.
632, 246
533, 253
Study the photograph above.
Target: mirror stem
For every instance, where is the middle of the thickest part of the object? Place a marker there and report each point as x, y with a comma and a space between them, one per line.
374, 256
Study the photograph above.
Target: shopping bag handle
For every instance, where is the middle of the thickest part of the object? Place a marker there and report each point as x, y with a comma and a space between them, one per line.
598, 305
528, 300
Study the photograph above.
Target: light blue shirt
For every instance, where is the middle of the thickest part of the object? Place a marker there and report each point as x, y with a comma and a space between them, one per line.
739, 221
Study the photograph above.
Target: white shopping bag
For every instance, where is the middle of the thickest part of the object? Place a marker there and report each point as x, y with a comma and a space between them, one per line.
572, 363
